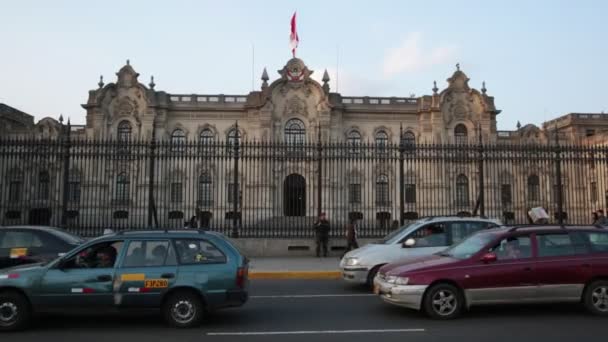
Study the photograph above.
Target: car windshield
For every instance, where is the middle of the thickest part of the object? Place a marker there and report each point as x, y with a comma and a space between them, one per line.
394, 236
469, 246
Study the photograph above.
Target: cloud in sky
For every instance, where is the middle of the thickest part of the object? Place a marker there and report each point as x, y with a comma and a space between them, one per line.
350, 84
413, 55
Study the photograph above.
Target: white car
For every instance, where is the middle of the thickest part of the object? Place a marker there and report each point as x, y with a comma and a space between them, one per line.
419, 238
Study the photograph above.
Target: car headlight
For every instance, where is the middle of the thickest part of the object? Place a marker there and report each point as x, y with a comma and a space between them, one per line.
397, 280
352, 262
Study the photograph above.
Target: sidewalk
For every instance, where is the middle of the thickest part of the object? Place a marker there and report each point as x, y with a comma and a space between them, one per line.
294, 268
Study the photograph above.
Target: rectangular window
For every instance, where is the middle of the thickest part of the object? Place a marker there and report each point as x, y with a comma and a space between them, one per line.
410, 193
14, 191
505, 194
74, 192
598, 241
593, 190
150, 254
198, 252
176, 192
512, 248
590, 132
231, 189
553, 245
354, 193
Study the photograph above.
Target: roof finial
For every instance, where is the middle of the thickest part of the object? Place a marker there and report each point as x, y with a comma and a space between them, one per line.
100, 84
152, 84
518, 125
326, 82
435, 89
265, 79
483, 87
61, 118
128, 62
457, 66
68, 121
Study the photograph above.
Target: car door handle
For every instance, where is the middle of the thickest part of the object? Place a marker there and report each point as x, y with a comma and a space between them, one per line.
104, 277
167, 275
586, 265
527, 269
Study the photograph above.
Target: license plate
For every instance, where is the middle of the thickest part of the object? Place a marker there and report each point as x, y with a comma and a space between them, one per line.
156, 283
376, 289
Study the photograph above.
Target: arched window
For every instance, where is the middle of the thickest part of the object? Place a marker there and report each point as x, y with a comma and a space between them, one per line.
206, 137
462, 191
122, 187
354, 141
461, 134
178, 139
295, 132
354, 189
382, 195
381, 141
44, 181
408, 139
231, 138
205, 190
124, 131
533, 188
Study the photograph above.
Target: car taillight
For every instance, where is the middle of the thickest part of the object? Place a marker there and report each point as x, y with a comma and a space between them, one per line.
241, 276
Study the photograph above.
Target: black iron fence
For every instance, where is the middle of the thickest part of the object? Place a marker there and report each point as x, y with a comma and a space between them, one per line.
270, 189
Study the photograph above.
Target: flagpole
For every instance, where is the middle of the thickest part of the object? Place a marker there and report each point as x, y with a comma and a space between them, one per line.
337, 67
252, 66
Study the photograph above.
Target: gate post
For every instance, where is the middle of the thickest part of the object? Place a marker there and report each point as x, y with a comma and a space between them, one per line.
482, 211
558, 174
401, 180
235, 187
66, 171
320, 174
151, 206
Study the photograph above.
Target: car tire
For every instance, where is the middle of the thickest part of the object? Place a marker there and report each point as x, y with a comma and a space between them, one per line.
15, 311
183, 309
371, 275
443, 301
596, 298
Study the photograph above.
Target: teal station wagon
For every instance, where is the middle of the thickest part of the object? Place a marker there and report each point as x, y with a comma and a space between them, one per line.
184, 273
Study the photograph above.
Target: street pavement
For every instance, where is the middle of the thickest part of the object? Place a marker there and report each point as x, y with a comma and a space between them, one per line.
326, 310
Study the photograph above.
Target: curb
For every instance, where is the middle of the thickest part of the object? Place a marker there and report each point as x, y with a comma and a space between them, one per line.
295, 275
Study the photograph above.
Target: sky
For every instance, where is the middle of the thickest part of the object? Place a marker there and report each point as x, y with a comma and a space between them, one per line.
539, 59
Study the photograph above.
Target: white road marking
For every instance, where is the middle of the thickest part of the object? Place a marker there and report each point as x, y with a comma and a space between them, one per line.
316, 296
313, 332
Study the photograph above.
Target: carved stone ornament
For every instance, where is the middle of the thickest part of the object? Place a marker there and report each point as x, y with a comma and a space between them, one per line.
296, 106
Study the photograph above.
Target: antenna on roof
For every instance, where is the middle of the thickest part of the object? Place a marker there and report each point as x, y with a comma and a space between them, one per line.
337, 67
252, 65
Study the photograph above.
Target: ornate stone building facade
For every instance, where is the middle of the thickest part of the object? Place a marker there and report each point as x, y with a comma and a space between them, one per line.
296, 109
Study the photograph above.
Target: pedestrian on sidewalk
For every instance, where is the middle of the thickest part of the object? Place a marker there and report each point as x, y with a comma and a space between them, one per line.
322, 228
351, 236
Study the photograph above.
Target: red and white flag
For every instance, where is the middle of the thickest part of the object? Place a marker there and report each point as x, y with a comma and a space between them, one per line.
293, 37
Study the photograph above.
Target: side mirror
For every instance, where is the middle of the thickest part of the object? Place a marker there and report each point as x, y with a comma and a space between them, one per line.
409, 243
489, 258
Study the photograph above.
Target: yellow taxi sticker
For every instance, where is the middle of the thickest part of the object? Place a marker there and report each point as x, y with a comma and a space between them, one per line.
133, 277
156, 283
18, 252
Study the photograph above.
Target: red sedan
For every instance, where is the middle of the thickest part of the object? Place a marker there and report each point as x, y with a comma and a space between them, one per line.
530, 264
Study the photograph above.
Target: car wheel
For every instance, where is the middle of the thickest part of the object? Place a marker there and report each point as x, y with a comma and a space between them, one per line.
596, 298
183, 309
443, 301
15, 311
371, 275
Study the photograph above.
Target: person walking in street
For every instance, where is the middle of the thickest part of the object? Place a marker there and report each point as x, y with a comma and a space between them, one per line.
322, 234
351, 237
